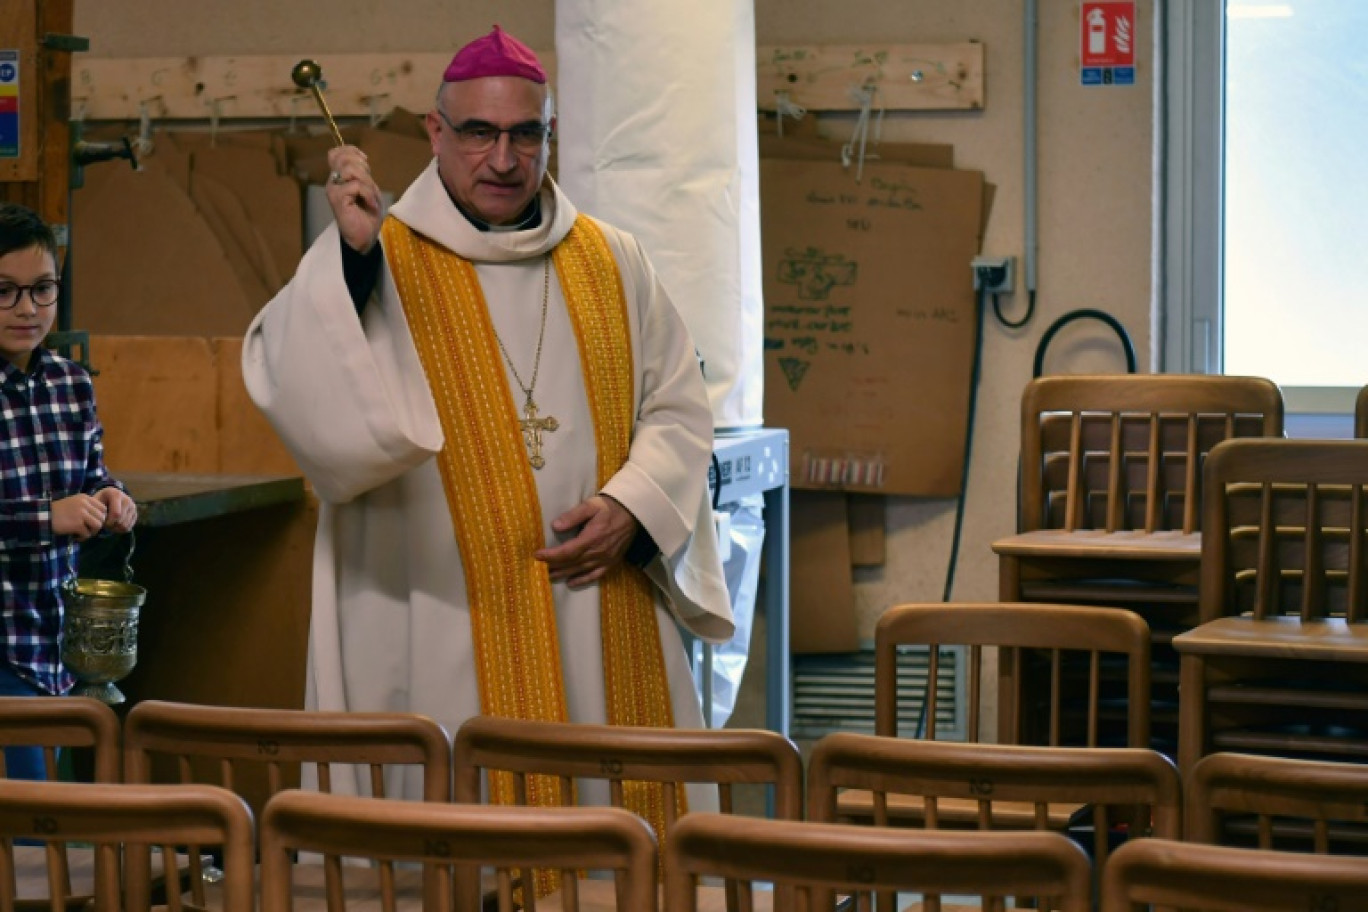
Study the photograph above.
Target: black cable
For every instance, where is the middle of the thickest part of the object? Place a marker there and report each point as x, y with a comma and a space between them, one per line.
1016, 324
964, 481
1082, 314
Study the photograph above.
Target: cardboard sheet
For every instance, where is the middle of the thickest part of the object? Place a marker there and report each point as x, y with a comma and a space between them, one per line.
870, 321
821, 587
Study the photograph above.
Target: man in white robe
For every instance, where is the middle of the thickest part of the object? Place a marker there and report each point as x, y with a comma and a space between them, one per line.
333, 364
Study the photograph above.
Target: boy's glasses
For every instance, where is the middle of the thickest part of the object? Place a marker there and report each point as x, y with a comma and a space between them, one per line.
43, 293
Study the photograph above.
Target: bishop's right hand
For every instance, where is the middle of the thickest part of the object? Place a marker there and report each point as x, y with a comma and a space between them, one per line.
354, 198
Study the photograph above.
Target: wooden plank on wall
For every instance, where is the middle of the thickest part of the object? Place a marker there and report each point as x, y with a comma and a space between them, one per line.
904, 77
819, 78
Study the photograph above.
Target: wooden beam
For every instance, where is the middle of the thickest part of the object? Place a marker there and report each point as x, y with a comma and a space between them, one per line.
826, 78
904, 77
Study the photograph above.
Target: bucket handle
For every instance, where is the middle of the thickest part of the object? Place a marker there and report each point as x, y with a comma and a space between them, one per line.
69, 584
128, 557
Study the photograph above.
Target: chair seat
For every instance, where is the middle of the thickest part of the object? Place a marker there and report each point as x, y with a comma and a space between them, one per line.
953, 812
1329, 640
1101, 545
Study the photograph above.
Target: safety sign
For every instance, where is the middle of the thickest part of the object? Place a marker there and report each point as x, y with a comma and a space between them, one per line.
9, 104
1107, 42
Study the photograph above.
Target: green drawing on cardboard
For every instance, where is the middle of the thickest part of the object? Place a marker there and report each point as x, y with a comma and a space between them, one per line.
794, 369
816, 272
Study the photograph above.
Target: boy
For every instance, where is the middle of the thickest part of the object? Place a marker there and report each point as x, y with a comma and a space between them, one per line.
54, 489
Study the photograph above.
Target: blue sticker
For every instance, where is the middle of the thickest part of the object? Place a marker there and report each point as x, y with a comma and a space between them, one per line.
1123, 76
1092, 76
8, 72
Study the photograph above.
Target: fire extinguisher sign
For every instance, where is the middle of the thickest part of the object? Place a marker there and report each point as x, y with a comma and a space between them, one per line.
1107, 42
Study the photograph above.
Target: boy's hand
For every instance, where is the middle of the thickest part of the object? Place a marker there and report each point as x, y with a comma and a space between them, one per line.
79, 515
121, 512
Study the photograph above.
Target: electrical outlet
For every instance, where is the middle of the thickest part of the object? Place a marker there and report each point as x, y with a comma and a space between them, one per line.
993, 274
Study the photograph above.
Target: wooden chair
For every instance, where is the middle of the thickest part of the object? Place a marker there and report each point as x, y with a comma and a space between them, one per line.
814, 859
1042, 644
1110, 494
621, 755
54, 724
227, 745
1098, 795
1036, 641
512, 839
1158, 872
1279, 803
111, 816
62, 723
1279, 664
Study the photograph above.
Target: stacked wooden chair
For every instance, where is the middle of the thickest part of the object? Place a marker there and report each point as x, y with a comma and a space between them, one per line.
1110, 494
1279, 664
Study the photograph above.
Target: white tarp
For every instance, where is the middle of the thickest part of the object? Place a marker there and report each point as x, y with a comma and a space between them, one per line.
657, 124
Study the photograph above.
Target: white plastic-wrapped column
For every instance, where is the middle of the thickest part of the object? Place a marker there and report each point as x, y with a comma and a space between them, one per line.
656, 106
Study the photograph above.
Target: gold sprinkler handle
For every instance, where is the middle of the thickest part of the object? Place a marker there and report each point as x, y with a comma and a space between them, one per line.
307, 75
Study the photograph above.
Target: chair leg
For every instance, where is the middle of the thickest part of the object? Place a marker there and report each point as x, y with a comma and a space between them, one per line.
1192, 713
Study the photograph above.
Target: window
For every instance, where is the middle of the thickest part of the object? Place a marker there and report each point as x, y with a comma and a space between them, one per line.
1266, 213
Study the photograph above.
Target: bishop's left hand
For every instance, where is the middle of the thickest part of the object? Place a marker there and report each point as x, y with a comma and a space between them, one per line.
605, 531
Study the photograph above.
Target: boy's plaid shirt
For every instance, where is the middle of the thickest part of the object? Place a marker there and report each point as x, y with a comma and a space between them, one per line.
50, 448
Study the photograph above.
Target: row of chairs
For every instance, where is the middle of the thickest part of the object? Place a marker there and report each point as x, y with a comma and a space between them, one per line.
789, 864
1105, 791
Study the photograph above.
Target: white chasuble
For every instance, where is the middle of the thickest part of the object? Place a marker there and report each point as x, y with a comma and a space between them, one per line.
390, 625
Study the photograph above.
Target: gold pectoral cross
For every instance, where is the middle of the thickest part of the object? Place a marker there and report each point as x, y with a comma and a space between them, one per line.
532, 428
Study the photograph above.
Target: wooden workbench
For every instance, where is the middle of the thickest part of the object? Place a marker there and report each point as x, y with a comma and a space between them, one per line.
226, 561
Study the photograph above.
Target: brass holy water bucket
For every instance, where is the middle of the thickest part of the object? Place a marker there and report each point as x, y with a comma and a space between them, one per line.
100, 632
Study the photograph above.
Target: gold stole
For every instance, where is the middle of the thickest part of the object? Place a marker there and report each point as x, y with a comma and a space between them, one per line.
493, 499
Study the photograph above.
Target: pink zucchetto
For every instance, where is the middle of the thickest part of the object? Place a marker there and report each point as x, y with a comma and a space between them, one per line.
496, 54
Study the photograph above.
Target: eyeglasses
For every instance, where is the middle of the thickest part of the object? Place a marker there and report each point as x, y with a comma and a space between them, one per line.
43, 293
479, 136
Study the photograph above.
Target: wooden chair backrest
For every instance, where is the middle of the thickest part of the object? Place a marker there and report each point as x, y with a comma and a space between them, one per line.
1152, 873
514, 840
1361, 413
814, 859
621, 755
1124, 452
618, 754
62, 723
113, 815
1285, 526
1135, 788
223, 745
1279, 803
1064, 632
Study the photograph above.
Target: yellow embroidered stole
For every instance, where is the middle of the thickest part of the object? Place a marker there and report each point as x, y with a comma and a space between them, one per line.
493, 499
